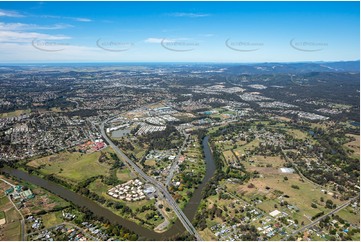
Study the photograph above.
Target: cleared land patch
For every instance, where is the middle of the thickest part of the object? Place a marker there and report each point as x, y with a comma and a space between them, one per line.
354, 145
71, 166
273, 184
15, 113
52, 219
297, 134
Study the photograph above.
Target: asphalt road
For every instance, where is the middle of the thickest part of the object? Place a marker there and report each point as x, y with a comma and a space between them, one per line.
182, 217
322, 217
171, 170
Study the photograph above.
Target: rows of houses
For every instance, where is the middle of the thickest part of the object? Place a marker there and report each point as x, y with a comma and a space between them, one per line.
130, 191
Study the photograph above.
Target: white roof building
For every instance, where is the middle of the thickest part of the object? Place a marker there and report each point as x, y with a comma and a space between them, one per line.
274, 213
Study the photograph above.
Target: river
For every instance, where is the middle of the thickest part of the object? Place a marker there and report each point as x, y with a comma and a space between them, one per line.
144, 234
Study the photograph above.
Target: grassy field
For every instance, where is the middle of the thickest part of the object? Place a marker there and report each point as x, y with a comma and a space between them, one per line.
241, 142
284, 119
225, 145
228, 155
247, 147
99, 187
207, 235
349, 216
43, 200
297, 134
3, 187
258, 160
52, 219
15, 113
155, 221
274, 180
124, 175
12, 231
354, 145
75, 166
150, 162
12, 227
3, 201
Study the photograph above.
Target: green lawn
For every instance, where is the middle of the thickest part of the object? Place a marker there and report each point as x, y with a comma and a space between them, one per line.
302, 197
150, 162
12, 231
75, 166
4, 200
247, 147
99, 187
52, 219
297, 134
2, 215
124, 174
155, 221
349, 216
14, 113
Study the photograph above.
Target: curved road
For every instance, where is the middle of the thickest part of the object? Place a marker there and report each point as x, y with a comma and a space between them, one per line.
182, 217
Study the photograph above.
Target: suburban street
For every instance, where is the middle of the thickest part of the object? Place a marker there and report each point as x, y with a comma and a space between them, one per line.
182, 217
175, 162
65, 223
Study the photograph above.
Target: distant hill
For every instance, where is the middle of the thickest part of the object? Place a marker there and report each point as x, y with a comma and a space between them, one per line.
305, 67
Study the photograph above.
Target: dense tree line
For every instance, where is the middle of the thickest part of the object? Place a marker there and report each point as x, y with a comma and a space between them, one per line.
163, 140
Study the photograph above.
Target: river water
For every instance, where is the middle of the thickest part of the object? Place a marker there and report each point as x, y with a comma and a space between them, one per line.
145, 234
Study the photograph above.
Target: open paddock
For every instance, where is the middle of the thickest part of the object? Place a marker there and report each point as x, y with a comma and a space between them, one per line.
12, 228
52, 219
274, 182
354, 145
264, 161
75, 167
297, 134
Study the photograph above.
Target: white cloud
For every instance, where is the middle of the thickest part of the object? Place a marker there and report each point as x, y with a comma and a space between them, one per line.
163, 40
78, 19
21, 26
189, 15
18, 37
207, 35
154, 40
26, 52
81, 19
6, 13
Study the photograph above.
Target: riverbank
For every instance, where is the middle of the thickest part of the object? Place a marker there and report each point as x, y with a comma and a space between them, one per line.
145, 234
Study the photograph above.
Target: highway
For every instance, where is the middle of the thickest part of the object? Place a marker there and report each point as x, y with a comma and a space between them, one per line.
175, 163
322, 217
181, 216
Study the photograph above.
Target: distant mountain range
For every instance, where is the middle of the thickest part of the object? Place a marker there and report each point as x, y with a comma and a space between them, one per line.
234, 68
304, 67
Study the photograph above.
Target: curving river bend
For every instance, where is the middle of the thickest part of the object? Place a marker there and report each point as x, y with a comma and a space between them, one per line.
144, 234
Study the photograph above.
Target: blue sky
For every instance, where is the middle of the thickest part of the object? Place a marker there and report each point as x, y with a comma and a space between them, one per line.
179, 31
